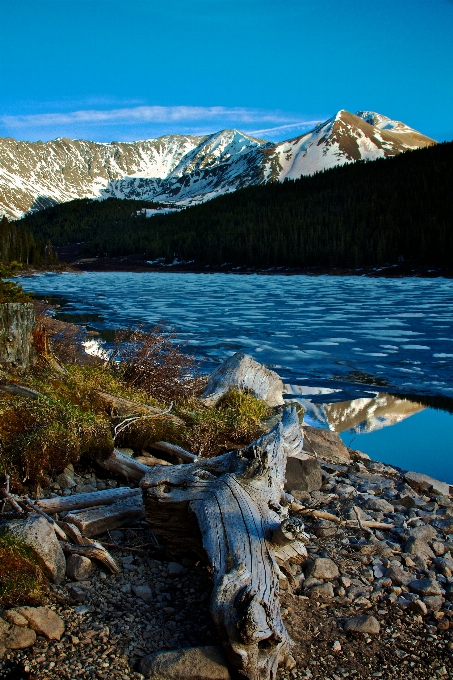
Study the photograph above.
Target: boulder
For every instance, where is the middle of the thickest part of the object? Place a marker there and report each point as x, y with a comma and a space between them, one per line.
444, 525
303, 473
424, 484
362, 624
425, 587
322, 568
193, 663
37, 534
425, 532
327, 445
415, 546
242, 372
79, 568
15, 637
377, 504
418, 607
433, 602
321, 591
324, 528
13, 616
398, 576
44, 621
143, 592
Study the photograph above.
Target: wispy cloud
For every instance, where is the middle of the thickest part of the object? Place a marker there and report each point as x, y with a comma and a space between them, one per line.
282, 128
152, 114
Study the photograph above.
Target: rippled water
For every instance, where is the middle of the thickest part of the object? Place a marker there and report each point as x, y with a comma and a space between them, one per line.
306, 327
312, 330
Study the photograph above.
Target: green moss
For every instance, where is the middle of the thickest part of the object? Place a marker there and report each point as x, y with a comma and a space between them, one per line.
21, 580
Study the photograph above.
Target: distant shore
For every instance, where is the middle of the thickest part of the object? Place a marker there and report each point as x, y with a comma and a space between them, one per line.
136, 263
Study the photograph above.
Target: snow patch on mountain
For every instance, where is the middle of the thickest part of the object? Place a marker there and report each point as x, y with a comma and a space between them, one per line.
187, 169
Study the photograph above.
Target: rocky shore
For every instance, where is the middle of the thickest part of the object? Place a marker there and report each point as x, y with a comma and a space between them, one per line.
366, 603
372, 599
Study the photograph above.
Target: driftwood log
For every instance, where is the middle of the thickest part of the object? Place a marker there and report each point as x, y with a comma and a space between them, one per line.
120, 464
86, 500
95, 521
232, 511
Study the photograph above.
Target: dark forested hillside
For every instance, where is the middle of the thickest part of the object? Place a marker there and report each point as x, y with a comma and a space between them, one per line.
17, 244
352, 216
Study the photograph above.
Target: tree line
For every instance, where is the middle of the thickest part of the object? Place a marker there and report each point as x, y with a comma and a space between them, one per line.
361, 214
19, 245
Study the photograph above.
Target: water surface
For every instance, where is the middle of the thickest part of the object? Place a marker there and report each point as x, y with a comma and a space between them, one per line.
314, 331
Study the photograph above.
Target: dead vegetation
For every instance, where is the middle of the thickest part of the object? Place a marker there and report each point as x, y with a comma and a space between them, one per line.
68, 418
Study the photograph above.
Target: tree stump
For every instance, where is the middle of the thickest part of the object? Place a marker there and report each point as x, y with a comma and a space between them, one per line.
17, 323
229, 510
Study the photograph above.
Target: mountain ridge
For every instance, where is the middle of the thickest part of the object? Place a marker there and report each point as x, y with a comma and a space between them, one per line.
187, 169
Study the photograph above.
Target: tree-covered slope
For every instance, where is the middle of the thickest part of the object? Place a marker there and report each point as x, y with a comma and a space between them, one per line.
361, 214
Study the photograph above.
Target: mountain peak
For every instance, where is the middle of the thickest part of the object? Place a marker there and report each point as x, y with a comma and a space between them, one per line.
188, 168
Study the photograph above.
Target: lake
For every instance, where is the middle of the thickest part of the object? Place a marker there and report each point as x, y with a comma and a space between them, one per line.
349, 348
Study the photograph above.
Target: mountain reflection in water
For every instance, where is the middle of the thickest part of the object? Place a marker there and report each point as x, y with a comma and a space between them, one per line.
358, 416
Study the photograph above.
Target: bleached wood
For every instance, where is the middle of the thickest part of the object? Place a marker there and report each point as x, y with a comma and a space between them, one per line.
227, 510
96, 521
86, 500
119, 464
177, 451
127, 407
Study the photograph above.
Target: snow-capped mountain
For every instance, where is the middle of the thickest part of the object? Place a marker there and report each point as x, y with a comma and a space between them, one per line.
187, 169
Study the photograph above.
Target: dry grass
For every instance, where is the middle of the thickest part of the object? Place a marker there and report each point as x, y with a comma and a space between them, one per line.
155, 364
235, 421
21, 580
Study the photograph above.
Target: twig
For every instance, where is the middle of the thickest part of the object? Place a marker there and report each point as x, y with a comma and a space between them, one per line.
128, 421
126, 548
5, 494
365, 529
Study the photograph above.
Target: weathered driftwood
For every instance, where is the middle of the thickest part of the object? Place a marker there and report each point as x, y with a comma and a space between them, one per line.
151, 460
19, 390
96, 521
86, 500
119, 464
242, 372
229, 510
126, 407
174, 450
88, 548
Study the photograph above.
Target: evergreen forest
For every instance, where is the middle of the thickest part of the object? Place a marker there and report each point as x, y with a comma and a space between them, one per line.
357, 215
18, 244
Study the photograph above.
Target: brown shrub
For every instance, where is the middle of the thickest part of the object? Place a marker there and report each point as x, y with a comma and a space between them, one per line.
153, 363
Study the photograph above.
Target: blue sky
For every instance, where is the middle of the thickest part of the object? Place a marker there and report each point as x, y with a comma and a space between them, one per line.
123, 70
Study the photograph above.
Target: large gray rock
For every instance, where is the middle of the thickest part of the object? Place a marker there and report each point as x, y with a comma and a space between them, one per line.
195, 663
303, 473
415, 546
362, 624
326, 445
79, 568
15, 637
423, 483
398, 575
44, 621
242, 372
425, 532
37, 534
322, 568
425, 586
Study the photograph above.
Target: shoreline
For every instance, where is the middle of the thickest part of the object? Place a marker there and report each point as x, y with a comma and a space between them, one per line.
69, 261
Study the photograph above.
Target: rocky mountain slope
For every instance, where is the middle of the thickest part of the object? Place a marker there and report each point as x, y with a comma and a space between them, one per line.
187, 169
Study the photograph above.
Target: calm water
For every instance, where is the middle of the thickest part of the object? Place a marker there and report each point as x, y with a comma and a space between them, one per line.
314, 331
